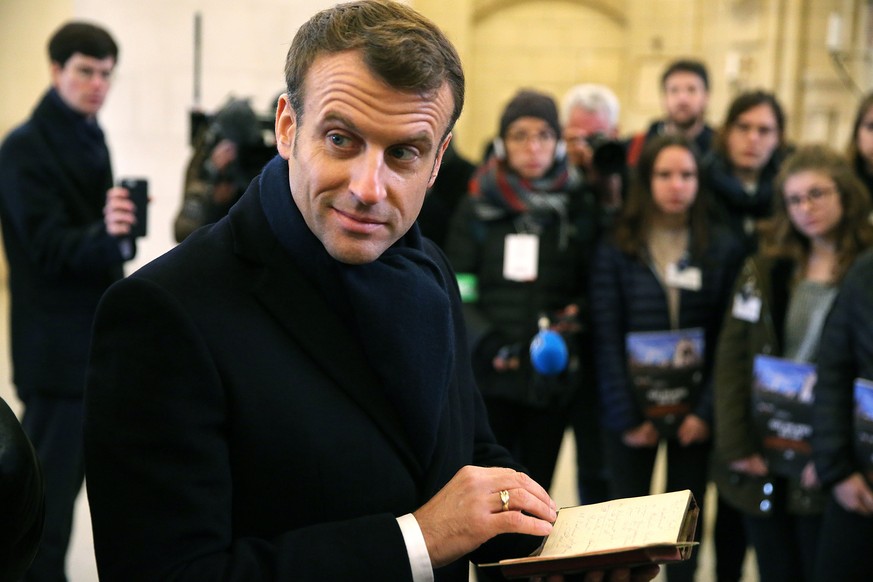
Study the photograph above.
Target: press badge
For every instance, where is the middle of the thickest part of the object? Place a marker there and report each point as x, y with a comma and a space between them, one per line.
521, 257
747, 307
684, 278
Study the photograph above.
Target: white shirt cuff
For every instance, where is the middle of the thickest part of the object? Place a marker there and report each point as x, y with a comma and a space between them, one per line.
419, 559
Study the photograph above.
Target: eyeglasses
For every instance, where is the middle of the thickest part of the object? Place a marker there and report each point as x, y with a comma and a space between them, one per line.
522, 137
814, 196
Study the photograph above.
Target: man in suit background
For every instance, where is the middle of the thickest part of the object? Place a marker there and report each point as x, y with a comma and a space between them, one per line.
287, 394
66, 234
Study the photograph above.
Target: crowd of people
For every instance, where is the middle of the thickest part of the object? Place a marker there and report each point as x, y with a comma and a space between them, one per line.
730, 235
387, 415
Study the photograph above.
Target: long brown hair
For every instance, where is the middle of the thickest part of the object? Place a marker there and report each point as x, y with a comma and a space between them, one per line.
854, 233
634, 224
852, 149
742, 103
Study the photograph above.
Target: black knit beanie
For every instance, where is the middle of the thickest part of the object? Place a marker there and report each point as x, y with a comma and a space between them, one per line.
528, 103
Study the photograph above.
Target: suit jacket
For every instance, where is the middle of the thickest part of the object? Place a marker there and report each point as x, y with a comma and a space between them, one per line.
235, 431
54, 174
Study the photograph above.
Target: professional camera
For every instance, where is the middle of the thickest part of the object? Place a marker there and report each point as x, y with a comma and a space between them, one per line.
609, 156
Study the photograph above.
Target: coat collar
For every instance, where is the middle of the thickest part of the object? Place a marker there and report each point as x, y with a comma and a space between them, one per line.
76, 143
297, 304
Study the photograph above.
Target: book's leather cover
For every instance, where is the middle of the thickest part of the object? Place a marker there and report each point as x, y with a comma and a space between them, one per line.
601, 561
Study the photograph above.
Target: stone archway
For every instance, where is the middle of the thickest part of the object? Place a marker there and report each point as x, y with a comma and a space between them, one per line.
549, 45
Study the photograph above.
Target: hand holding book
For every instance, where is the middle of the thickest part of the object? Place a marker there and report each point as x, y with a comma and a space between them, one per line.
623, 533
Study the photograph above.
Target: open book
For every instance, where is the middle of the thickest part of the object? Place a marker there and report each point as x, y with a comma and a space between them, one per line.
653, 529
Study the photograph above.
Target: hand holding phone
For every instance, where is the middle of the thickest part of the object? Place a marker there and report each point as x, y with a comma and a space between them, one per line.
138, 189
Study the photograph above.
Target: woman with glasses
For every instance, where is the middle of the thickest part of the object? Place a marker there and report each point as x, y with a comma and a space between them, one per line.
781, 300
519, 244
658, 289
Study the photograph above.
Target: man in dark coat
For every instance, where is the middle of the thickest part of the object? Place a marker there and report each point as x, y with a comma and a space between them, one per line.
65, 230
287, 394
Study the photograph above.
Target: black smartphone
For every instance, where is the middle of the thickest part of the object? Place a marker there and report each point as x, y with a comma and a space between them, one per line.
139, 195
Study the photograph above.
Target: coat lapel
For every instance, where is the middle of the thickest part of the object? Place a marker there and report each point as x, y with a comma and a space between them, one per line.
295, 302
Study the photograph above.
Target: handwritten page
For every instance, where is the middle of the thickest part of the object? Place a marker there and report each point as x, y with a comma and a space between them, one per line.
622, 523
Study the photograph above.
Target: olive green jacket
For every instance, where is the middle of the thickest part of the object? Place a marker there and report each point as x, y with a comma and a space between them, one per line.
736, 436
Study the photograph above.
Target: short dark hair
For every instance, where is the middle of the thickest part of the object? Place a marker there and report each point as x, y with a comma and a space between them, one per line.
399, 45
81, 37
692, 66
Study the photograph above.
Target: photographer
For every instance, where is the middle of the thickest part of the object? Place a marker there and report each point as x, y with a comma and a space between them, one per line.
229, 151
589, 115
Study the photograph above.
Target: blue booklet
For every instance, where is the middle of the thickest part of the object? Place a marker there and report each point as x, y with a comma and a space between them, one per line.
782, 398
666, 369
864, 426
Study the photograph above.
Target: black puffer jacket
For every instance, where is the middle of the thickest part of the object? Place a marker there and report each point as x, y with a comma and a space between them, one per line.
846, 353
627, 296
506, 312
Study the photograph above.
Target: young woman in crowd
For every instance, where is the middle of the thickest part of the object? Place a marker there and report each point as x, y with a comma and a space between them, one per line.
665, 269
740, 169
846, 354
860, 150
520, 243
780, 302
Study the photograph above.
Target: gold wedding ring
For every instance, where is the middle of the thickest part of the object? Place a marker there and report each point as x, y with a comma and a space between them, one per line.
504, 499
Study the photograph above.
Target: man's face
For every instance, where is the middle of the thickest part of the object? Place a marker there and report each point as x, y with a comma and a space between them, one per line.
583, 124
752, 138
83, 82
363, 156
685, 99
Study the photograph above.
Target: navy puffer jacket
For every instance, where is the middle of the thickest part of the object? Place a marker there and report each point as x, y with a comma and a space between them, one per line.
627, 296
